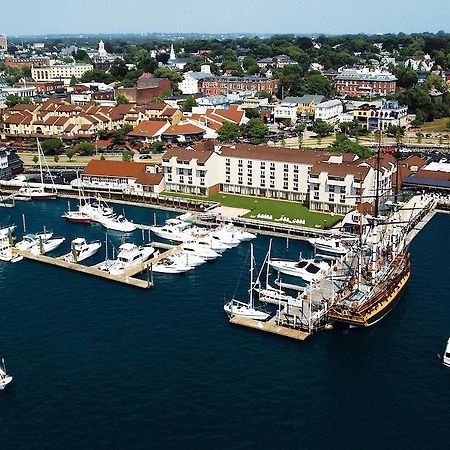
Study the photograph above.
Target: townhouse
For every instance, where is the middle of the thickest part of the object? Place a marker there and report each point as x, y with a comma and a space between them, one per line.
229, 85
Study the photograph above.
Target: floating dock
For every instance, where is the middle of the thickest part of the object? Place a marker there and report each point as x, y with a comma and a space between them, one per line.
128, 277
270, 327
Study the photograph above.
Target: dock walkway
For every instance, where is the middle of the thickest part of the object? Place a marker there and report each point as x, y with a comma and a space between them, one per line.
270, 327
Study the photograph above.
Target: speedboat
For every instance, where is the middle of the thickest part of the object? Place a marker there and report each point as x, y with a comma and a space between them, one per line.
446, 358
119, 223
77, 217
307, 269
130, 255
202, 250
172, 264
330, 246
81, 250
5, 379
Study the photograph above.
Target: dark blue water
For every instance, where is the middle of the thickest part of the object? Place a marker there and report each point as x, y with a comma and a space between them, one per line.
101, 365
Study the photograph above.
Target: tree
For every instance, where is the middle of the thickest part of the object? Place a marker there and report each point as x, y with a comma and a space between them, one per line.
229, 132
126, 128
316, 83
343, 144
158, 146
13, 100
70, 153
252, 113
188, 104
121, 100
118, 69
165, 72
85, 149
35, 159
322, 128
256, 130
102, 157
250, 65
300, 131
73, 81
98, 76
52, 146
147, 64
81, 56
127, 156
56, 158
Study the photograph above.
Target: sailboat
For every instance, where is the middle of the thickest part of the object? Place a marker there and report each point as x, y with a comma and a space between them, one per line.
239, 308
5, 379
39, 192
381, 269
77, 215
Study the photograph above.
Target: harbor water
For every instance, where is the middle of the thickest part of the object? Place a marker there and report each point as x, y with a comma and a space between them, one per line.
98, 364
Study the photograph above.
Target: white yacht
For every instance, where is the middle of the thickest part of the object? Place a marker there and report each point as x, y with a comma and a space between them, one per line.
81, 250
176, 230
225, 235
239, 234
130, 255
446, 358
172, 264
202, 250
308, 269
246, 310
42, 247
330, 246
30, 240
5, 379
97, 209
191, 258
6, 241
119, 223
213, 242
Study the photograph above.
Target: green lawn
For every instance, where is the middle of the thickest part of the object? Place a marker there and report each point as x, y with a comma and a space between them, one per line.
437, 126
274, 207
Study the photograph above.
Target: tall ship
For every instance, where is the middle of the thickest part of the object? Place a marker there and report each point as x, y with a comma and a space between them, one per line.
378, 268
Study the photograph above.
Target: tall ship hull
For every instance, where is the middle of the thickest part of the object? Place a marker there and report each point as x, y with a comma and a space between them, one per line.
378, 302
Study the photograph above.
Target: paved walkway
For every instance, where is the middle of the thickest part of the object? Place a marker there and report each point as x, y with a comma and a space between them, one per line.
228, 211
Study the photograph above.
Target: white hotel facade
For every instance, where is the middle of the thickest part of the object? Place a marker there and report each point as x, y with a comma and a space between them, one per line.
326, 182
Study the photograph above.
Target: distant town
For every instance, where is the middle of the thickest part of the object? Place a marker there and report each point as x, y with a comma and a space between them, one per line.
283, 117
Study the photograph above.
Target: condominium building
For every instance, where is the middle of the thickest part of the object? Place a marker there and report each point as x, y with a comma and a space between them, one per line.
358, 83
229, 85
328, 182
60, 72
328, 111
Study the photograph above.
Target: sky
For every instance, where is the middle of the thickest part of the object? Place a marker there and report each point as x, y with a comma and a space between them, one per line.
31, 17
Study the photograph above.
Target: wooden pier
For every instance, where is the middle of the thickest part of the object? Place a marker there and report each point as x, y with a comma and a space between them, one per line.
270, 327
128, 277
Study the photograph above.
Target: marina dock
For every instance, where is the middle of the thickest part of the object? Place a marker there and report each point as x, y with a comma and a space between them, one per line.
128, 277
270, 327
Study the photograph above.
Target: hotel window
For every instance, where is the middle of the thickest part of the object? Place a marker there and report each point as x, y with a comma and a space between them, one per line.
227, 161
263, 165
249, 172
240, 163
342, 200
316, 195
296, 168
181, 179
263, 175
227, 170
272, 166
263, 183
249, 164
331, 197
295, 186
249, 181
285, 167
240, 170
272, 185
285, 185
227, 179
189, 180
330, 188
272, 175
240, 180
202, 181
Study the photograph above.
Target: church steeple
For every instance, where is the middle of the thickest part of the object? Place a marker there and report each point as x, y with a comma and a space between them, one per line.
172, 52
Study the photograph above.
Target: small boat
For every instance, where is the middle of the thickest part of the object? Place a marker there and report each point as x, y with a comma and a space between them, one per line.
130, 255
119, 223
6, 241
225, 235
331, 246
97, 209
239, 234
5, 379
308, 269
191, 258
77, 217
446, 357
30, 240
202, 250
176, 230
81, 250
213, 242
238, 308
172, 265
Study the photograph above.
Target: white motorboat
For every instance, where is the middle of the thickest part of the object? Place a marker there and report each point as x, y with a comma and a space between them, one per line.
213, 242
246, 310
119, 223
5, 379
446, 357
30, 240
330, 246
130, 255
239, 234
97, 209
202, 250
172, 264
177, 230
225, 235
308, 269
81, 250
6, 241
190, 257
77, 217
42, 247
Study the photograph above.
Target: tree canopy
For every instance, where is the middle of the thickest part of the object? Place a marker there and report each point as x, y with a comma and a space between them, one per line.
229, 132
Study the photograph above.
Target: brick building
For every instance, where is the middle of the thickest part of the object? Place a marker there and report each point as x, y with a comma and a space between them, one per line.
20, 63
355, 83
228, 85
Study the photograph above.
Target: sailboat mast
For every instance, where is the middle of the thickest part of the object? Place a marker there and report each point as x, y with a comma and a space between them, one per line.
39, 149
377, 175
268, 263
251, 275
